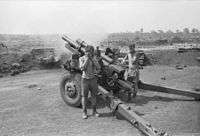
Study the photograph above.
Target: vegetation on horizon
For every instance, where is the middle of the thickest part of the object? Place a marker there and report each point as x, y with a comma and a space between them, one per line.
158, 37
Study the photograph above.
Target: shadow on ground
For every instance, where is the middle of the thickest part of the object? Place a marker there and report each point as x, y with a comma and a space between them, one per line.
141, 100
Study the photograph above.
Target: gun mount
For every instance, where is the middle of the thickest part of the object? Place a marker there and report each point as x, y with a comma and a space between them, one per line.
111, 81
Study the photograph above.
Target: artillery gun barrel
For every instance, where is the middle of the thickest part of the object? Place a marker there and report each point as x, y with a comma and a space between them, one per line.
104, 57
80, 43
70, 42
73, 46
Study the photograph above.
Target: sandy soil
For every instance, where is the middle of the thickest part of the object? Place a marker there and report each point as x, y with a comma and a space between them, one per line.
30, 104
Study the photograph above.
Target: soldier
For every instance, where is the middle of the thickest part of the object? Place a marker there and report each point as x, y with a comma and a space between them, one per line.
133, 66
97, 52
90, 67
109, 52
99, 58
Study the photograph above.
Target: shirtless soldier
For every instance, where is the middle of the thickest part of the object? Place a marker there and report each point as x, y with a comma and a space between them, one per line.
90, 67
133, 66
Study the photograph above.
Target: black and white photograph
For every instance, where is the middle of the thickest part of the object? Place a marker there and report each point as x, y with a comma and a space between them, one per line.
100, 68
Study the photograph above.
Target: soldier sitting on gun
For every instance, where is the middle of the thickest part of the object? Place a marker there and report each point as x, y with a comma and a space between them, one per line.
90, 67
109, 53
132, 73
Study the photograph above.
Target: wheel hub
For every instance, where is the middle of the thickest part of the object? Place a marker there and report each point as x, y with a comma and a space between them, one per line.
70, 89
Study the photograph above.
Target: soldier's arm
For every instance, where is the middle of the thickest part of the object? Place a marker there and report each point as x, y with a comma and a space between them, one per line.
136, 57
96, 63
124, 60
83, 61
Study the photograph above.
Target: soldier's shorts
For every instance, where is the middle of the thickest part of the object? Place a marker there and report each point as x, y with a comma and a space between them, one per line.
89, 85
132, 75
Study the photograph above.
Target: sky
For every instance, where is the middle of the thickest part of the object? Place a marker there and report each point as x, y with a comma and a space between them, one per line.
48, 17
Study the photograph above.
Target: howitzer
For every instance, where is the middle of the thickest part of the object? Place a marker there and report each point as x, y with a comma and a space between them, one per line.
112, 75
78, 48
111, 82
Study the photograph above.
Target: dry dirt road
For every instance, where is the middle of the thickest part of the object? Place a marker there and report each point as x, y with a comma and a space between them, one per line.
30, 105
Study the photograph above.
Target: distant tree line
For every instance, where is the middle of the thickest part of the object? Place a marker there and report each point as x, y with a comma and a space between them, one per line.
158, 37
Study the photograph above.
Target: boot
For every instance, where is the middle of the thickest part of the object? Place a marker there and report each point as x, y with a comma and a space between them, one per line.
95, 113
84, 102
84, 116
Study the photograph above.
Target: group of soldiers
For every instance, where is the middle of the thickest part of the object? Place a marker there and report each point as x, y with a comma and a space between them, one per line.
90, 67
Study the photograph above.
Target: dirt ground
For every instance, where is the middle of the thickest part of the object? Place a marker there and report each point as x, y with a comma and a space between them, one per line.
173, 57
30, 105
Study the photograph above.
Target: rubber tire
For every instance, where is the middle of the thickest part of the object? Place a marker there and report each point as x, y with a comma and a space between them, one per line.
76, 102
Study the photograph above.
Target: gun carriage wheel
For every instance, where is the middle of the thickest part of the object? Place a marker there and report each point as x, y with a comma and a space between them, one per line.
70, 89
